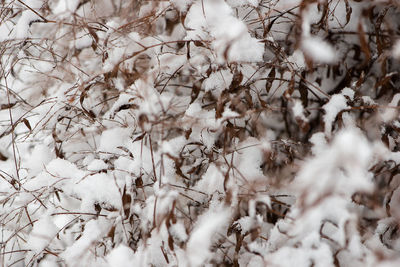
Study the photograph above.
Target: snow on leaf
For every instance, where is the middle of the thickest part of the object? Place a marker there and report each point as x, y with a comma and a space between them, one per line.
318, 50
207, 226
336, 104
121, 256
42, 234
79, 252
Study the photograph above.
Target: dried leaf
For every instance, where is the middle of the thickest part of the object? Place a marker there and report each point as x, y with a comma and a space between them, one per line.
363, 43
236, 80
27, 124
349, 10
111, 233
7, 106
195, 90
139, 182
303, 90
270, 79
188, 50
2, 157
126, 202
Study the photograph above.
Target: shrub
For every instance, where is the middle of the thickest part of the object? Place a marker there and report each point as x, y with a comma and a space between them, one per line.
192, 133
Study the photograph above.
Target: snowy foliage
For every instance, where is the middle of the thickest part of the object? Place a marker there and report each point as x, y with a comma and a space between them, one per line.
199, 133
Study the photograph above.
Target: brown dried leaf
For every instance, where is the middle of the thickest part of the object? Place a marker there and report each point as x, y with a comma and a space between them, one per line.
303, 90
349, 10
126, 202
111, 233
6, 106
195, 90
139, 182
270, 79
236, 80
27, 124
2, 157
363, 43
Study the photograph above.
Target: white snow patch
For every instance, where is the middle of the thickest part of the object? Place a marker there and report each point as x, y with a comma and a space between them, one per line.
228, 113
390, 113
341, 167
112, 138
41, 155
211, 181
182, 5
318, 50
66, 6
319, 143
94, 229
396, 50
179, 232
97, 165
249, 158
297, 58
121, 256
336, 104
231, 36
218, 81
238, 3
246, 224
198, 246
348, 92
83, 40
22, 27
298, 110
42, 234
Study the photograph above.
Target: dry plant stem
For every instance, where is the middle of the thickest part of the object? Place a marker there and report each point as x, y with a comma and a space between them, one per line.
31, 9
155, 131
12, 127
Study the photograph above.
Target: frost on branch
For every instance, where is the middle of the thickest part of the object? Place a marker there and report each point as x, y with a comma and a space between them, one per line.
199, 133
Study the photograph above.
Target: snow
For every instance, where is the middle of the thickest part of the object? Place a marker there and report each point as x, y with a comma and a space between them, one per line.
211, 181
200, 240
218, 81
291, 256
231, 35
249, 159
228, 113
179, 232
41, 155
42, 234
6, 31
66, 6
191, 146
394, 204
396, 50
237, 3
319, 143
174, 146
111, 139
297, 58
340, 170
318, 50
348, 92
298, 110
121, 256
182, 5
390, 112
66, 176
80, 250
22, 27
246, 224
83, 40
336, 104
97, 165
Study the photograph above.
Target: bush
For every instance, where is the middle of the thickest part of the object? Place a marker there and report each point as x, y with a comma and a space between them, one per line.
193, 133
